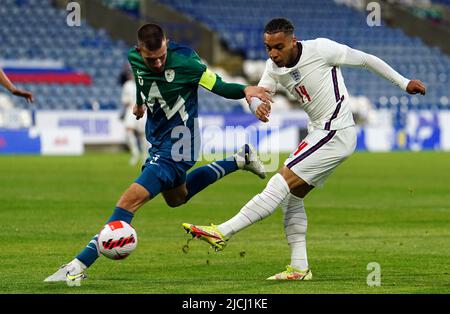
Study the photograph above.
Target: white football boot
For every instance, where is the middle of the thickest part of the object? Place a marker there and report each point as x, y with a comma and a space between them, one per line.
71, 273
247, 159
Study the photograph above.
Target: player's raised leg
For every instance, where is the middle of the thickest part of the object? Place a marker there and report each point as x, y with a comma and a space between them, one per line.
258, 208
265, 203
245, 159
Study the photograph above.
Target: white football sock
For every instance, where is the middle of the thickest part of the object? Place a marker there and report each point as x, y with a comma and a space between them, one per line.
260, 207
76, 266
295, 225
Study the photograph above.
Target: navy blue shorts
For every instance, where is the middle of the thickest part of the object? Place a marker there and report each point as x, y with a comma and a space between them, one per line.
160, 173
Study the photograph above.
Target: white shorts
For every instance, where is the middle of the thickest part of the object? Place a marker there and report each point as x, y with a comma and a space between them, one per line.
320, 153
131, 122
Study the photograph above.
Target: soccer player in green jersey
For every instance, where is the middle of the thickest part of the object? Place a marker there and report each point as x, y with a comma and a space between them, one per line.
167, 77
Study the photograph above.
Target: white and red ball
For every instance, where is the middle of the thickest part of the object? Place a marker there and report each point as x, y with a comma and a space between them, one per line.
117, 240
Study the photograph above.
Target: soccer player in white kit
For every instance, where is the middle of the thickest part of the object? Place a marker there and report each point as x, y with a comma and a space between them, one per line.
310, 71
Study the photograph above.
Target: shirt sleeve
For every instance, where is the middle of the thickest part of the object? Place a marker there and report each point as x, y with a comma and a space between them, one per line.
195, 68
214, 83
338, 54
268, 81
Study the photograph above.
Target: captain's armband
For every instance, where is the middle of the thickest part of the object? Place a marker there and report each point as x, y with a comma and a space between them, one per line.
208, 79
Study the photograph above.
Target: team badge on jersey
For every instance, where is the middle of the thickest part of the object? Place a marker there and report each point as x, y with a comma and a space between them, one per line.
170, 75
295, 75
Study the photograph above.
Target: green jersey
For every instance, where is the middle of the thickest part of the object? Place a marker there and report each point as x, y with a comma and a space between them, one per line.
170, 96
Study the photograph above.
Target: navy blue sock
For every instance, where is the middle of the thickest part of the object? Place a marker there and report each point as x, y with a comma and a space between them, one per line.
90, 253
201, 177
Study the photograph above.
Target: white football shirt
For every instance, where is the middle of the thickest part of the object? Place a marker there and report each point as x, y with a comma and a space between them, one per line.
316, 80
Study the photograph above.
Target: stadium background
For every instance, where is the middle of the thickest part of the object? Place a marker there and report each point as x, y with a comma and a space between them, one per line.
74, 73
78, 68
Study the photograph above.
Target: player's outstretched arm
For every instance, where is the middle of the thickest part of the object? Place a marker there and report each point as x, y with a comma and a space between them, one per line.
376, 65
215, 84
338, 54
4, 81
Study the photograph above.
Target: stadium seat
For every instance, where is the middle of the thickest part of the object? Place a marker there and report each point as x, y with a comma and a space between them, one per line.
83, 49
315, 18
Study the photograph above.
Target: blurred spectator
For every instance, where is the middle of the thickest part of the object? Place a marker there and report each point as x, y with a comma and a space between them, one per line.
135, 129
5, 102
363, 110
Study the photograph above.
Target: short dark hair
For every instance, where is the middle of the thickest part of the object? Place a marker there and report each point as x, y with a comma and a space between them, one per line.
151, 35
279, 24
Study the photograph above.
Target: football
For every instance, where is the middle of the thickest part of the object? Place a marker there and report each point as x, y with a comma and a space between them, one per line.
117, 240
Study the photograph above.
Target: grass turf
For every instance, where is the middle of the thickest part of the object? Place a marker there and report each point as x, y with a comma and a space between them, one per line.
389, 208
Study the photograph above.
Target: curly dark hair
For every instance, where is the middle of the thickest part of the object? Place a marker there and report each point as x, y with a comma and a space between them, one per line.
279, 24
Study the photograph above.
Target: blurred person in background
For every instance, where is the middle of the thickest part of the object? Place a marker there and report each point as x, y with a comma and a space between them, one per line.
135, 129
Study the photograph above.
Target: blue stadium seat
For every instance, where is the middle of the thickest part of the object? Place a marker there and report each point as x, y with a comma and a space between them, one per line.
46, 36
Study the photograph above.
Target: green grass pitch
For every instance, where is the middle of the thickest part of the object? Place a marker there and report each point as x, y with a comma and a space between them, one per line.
388, 208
